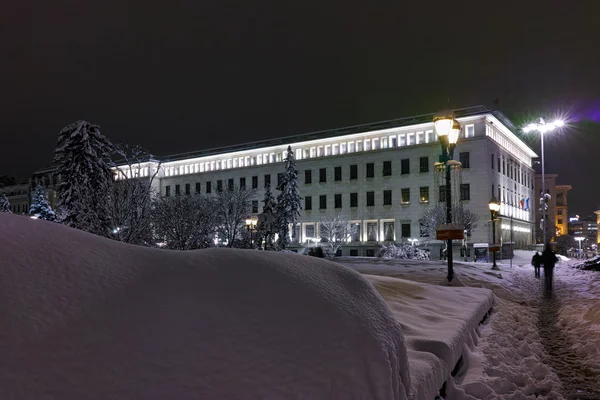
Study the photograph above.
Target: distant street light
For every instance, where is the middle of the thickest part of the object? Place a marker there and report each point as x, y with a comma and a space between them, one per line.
251, 226
447, 129
494, 208
542, 127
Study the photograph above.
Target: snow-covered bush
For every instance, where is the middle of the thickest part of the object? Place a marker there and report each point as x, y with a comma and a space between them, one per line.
403, 251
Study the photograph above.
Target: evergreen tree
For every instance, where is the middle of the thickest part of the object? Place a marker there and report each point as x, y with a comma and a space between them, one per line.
40, 207
266, 225
82, 157
289, 201
4, 204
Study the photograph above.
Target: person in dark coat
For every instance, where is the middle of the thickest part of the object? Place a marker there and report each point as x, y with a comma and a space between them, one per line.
549, 259
536, 261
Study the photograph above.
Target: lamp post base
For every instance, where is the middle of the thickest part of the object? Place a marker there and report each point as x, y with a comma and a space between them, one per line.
455, 282
495, 267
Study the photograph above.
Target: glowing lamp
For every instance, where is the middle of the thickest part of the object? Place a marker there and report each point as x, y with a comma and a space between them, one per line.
454, 132
443, 124
494, 204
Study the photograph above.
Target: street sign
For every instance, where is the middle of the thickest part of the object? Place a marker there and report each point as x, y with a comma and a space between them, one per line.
494, 247
445, 232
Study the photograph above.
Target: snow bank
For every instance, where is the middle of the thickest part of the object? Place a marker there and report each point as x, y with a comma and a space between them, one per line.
84, 317
439, 324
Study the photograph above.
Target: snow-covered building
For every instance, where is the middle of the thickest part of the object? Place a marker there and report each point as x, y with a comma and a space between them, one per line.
379, 176
17, 194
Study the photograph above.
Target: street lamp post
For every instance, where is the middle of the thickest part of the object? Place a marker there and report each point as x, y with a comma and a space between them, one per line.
580, 239
543, 127
494, 208
448, 129
251, 226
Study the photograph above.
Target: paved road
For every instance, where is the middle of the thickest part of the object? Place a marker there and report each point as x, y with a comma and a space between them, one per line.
579, 381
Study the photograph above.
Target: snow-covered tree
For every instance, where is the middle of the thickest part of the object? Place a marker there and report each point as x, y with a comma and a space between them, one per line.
82, 157
267, 228
131, 196
40, 206
403, 251
335, 233
435, 215
233, 207
4, 203
184, 222
289, 201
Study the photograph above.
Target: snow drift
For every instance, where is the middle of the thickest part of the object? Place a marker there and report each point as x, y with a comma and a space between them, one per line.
85, 317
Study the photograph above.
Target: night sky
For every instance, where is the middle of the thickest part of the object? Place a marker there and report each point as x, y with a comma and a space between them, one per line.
177, 76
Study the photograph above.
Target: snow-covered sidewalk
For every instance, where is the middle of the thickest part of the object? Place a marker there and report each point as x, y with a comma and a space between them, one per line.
515, 358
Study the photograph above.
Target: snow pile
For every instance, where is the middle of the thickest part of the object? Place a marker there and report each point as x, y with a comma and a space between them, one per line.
85, 317
440, 325
402, 251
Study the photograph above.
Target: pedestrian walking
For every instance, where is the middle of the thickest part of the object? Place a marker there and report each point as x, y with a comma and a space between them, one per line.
536, 261
549, 259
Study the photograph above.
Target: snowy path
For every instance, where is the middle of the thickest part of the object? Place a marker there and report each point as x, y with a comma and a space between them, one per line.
579, 382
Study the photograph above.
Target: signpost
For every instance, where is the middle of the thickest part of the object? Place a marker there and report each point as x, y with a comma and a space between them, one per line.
450, 232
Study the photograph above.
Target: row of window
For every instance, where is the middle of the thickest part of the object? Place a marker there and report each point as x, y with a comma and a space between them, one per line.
344, 147
512, 170
308, 179
465, 194
371, 231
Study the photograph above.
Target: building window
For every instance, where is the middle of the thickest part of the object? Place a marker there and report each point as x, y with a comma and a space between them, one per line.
337, 172
187, 189
424, 194
469, 131
242, 183
387, 168
219, 185
353, 199
208, 187
464, 159
177, 190
354, 171
388, 231
307, 176
370, 253
230, 184
254, 206
370, 170
310, 231
197, 187
559, 212
405, 230
337, 199
370, 199
355, 232
498, 163
168, 191
492, 160
353, 253
308, 203
405, 166
465, 191
323, 202
405, 195
560, 221
442, 197
424, 164
372, 231
267, 180
387, 197
255, 182
323, 175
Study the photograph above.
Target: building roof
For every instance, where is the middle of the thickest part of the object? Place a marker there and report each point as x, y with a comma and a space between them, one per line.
331, 133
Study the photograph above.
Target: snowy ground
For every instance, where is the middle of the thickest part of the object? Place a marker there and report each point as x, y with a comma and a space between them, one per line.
533, 346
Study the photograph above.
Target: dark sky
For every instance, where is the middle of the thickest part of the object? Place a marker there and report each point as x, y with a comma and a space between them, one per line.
178, 76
